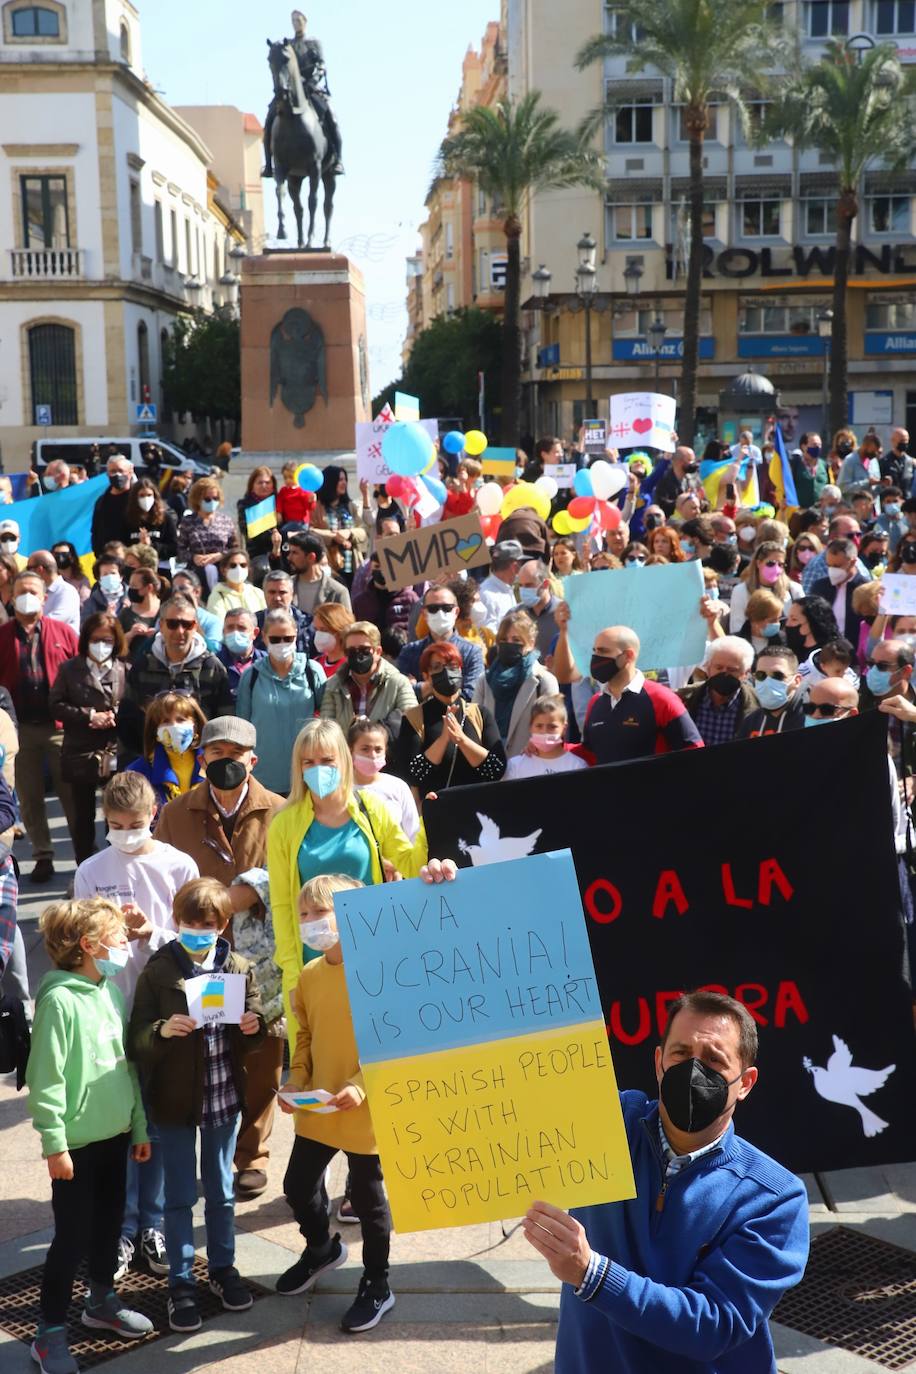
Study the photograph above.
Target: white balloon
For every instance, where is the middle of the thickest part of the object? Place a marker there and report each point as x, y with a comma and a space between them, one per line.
607, 479
548, 486
489, 498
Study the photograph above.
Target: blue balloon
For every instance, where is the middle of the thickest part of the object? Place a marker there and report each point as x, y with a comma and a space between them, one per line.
582, 483
310, 477
406, 449
453, 441
436, 487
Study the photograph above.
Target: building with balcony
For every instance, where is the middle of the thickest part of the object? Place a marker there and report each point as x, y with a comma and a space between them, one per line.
462, 260
111, 224
769, 225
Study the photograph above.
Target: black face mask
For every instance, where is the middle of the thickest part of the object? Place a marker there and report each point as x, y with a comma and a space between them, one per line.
447, 681
908, 553
603, 669
62, 560
654, 522
509, 654
226, 774
796, 642
134, 595
378, 579
844, 449
691, 467
901, 448
360, 661
726, 684
119, 481
694, 1095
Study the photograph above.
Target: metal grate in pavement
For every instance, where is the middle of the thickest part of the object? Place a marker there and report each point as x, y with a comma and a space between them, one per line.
148, 1293
858, 1293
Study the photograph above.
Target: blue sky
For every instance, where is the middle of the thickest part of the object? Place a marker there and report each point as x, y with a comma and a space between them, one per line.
395, 71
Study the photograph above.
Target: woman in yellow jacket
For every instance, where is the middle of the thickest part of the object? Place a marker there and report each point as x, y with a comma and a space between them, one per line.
329, 827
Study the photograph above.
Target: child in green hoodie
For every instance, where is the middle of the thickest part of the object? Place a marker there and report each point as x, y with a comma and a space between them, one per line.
84, 1100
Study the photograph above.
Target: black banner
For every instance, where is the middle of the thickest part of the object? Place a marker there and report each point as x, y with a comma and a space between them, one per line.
764, 869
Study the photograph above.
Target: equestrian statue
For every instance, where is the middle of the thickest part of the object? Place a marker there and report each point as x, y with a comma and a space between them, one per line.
301, 139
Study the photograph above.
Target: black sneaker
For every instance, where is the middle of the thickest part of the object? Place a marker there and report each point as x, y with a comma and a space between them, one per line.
183, 1312
230, 1290
303, 1274
373, 1300
152, 1248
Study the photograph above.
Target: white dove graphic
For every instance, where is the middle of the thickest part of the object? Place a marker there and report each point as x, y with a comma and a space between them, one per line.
841, 1082
494, 848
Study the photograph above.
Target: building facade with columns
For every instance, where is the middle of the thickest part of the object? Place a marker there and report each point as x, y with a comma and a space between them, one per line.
769, 225
110, 224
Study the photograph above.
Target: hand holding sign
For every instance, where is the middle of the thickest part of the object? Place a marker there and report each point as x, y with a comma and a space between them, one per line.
216, 998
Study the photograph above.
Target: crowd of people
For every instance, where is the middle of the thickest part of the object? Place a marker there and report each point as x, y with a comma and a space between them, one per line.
262, 720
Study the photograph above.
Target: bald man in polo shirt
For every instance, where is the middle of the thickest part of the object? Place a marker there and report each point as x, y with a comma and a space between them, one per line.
629, 717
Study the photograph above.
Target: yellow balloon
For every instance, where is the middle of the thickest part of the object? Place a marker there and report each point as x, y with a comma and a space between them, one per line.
475, 442
577, 526
562, 522
526, 494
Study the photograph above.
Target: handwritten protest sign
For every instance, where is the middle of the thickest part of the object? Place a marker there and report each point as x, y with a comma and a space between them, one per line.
482, 1045
661, 604
642, 419
898, 594
369, 461
421, 555
216, 998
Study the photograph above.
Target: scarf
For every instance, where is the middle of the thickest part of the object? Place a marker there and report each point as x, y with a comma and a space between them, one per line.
504, 680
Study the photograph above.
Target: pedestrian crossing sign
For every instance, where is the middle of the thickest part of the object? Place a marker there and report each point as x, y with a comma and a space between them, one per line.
146, 413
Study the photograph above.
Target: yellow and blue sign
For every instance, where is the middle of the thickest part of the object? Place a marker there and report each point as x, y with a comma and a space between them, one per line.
483, 1045
262, 517
214, 996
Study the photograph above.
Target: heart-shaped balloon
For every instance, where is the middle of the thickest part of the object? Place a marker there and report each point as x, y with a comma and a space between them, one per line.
607, 479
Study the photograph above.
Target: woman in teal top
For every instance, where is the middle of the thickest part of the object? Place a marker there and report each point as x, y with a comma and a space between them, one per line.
278, 694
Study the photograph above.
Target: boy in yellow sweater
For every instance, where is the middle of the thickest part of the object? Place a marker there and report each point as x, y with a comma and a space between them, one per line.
326, 1057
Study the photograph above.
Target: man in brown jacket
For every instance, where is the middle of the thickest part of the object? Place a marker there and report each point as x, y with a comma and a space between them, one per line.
222, 824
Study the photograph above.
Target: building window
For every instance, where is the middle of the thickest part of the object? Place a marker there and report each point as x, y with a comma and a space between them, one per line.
52, 370
481, 204
889, 214
827, 18
712, 129
614, 24
819, 217
45, 222
143, 360
895, 16
450, 297
631, 222
633, 124
635, 323
890, 313
136, 218
759, 217
173, 242
160, 231
125, 42
189, 266
680, 222
778, 317
449, 240
35, 22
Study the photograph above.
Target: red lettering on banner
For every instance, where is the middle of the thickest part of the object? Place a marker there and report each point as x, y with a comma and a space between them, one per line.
728, 890
752, 996
604, 918
668, 889
788, 998
615, 1025
771, 875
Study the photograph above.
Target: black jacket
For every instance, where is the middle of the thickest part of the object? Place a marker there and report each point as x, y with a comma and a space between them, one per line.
109, 520
823, 587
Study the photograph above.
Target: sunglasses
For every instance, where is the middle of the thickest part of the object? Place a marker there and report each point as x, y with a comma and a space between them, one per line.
761, 676
174, 624
874, 663
827, 709
230, 566
282, 639
773, 563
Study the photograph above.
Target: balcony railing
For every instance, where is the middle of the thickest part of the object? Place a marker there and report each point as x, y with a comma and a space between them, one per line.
46, 264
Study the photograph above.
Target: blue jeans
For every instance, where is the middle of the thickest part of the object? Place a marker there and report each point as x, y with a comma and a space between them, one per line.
145, 1197
179, 1158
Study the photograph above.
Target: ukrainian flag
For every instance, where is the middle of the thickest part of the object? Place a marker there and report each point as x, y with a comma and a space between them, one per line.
781, 476
712, 473
214, 996
58, 515
500, 462
261, 517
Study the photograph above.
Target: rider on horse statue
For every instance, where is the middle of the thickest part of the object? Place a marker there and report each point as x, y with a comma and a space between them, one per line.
315, 80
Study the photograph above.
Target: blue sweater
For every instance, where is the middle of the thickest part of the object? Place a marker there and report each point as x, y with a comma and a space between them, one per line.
695, 1271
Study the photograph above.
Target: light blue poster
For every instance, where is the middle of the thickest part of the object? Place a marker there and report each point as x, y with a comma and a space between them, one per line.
502, 951
661, 604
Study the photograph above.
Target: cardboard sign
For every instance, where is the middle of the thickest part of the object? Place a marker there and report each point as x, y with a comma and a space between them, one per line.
662, 606
595, 437
369, 461
482, 1046
641, 419
898, 594
813, 950
216, 998
424, 554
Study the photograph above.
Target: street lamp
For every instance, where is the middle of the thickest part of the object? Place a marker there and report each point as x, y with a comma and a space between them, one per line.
632, 276
825, 330
586, 283
542, 279
859, 44
656, 332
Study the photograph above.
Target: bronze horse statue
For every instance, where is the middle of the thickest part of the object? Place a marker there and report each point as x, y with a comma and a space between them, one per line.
299, 147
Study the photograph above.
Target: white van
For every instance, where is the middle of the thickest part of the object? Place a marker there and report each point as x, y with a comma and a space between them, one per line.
92, 453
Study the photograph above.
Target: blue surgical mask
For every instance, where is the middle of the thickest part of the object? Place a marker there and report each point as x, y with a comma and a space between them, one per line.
194, 940
772, 694
771, 631
688, 546
732, 539
820, 720
878, 680
111, 584
112, 966
528, 595
50, 483
209, 506
636, 562
712, 593
176, 737
892, 508
237, 642
322, 779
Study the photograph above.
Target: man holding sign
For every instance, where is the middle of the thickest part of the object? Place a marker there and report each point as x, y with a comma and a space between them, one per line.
686, 1275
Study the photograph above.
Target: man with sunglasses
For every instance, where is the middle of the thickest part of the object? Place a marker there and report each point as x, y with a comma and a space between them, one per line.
776, 681
833, 698
179, 661
842, 526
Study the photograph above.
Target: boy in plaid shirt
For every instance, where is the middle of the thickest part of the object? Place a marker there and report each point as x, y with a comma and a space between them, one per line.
194, 1081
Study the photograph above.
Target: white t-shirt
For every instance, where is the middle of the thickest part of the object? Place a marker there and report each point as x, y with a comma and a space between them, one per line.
150, 881
399, 799
524, 766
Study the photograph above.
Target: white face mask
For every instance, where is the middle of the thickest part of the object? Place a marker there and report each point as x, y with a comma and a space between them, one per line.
27, 603
320, 934
324, 642
146, 503
129, 841
236, 574
441, 622
283, 653
101, 650
9, 543
837, 575
478, 614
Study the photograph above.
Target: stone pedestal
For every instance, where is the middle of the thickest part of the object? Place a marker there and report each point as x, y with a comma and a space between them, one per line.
305, 366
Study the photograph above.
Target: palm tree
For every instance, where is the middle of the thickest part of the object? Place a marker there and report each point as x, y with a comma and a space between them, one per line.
705, 48
854, 110
512, 151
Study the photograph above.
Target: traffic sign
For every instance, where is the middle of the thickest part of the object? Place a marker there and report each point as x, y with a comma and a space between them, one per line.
42, 415
146, 413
